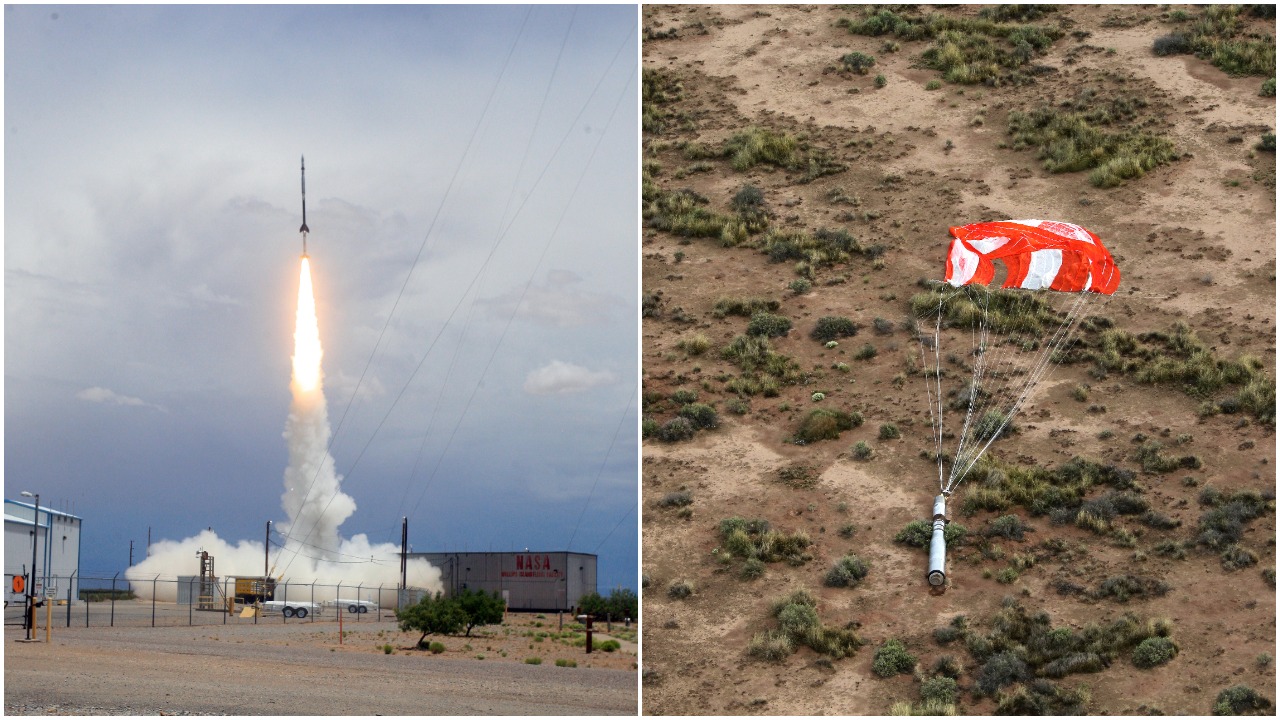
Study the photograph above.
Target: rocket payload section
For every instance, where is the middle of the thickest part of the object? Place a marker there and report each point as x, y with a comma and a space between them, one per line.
938, 544
304, 229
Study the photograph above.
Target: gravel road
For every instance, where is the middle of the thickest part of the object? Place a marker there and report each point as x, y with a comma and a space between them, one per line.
283, 670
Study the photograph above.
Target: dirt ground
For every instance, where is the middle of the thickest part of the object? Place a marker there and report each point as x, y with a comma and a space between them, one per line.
301, 669
1196, 241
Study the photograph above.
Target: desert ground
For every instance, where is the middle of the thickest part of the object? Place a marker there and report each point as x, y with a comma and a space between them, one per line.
300, 668
894, 161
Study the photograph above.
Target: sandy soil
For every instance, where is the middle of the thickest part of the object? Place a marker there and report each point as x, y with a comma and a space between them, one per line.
1196, 240
301, 669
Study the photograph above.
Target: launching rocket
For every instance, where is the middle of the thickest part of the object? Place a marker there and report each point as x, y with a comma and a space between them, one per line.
304, 229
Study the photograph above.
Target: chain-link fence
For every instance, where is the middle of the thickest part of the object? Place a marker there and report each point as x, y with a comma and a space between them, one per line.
160, 601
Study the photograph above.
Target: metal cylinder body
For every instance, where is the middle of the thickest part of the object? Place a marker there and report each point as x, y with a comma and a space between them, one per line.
938, 544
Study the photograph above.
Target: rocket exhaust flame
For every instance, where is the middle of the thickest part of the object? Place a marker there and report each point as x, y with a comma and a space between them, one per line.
306, 336
312, 499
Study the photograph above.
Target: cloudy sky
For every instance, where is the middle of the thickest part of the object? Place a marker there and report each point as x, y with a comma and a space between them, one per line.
472, 185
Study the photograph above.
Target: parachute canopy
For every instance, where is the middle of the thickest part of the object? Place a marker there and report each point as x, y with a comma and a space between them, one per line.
1037, 254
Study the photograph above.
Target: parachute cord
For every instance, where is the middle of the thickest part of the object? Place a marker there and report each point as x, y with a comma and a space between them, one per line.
1042, 366
937, 365
975, 387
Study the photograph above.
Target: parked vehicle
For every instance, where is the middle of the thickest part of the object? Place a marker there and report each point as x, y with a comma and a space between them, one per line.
354, 606
290, 608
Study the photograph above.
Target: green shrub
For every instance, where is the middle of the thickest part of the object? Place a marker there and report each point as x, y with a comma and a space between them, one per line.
695, 345
881, 81
862, 451
919, 533
933, 85
748, 198
1268, 89
1071, 663
800, 286
676, 429
832, 327
682, 213
1173, 44
965, 49
848, 571
993, 424
889, 431
649, 428
533, 660
680, 498
1223, 525
771, 645
1007, 526
433, 614
1159, 521
608, 646
1123, 587
794, 619
751, 569
892, 658
703, 417
679, 589
858, 62
823, 424
565, 662
948, 666
768, 325
866, 352
999, 670
1268, 142
1075, 141
1041, 697
760, 146
1238, 700
746, 307
1154, 651
939, 689
1236, 557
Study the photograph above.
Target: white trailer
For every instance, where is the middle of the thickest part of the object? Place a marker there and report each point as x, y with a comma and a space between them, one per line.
354, 606
290, 608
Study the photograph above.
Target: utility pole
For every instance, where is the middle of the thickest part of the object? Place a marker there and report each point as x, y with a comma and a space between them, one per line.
266, 551
404, 552
130, 553
148, 541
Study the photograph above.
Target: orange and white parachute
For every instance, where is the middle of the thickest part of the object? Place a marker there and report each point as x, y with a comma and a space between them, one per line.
1038, 254
1009, 338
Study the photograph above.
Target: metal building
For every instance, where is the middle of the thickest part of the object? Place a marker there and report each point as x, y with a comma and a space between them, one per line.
545, 581
57, 554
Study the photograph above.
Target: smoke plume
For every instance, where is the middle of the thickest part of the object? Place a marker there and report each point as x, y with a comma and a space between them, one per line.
314, 504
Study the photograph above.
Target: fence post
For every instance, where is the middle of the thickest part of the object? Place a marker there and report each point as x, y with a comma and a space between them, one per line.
312, 613
286, 599
153, 599
359, 607
228, 606
191, 585
380, 601
113, 598
71, 582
